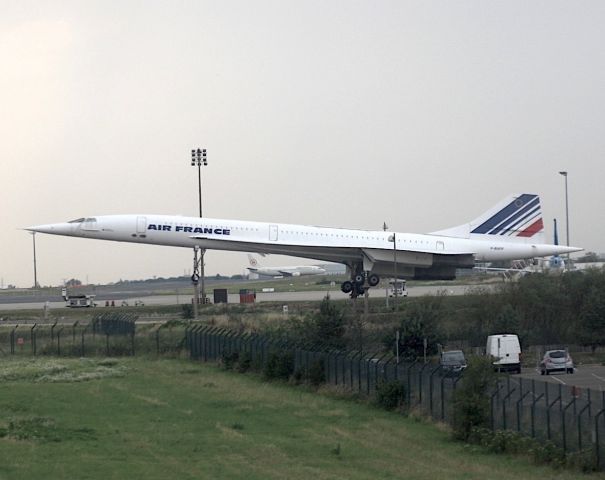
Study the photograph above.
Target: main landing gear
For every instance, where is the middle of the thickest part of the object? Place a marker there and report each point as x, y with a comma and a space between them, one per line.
359, 283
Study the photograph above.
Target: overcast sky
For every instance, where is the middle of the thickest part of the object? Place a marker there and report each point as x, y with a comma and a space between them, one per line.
422, 114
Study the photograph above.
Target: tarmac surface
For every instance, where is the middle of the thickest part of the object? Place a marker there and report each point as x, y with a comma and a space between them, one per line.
31, 302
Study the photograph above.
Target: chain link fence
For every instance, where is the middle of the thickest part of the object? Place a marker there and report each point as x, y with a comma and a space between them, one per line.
107, 334
571, 418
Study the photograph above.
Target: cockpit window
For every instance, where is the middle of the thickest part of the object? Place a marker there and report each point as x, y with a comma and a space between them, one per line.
79, 220
90, 224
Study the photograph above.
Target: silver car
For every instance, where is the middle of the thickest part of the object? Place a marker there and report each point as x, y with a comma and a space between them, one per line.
556, 361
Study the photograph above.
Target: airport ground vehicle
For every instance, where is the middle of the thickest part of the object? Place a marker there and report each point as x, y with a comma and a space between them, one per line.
506, 352
397, 287
452, 362
556, 361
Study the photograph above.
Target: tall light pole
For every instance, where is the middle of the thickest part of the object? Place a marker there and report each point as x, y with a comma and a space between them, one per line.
564, 173
35, 268
198, 158
393, 239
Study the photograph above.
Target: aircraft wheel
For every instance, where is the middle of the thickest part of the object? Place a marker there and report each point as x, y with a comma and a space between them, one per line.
346, 287
373, 280
360, 290
360, 279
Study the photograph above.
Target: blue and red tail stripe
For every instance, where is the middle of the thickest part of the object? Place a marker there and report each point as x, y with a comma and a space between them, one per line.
521, 217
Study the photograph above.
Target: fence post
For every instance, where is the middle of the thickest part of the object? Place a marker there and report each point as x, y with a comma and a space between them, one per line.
385, 377
409, 379
59, 342
83, 332
548, 407
533, 415
519, 409
351, 369
359, 362
12, 339
596, 436
421, 382
376, 364
32, 336
431, 389
442, 398
573, 401
157, 341
491, 410
579, 417
73, 331
510, 392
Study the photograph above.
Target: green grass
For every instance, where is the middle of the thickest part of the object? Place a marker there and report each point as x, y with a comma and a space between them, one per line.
137, 418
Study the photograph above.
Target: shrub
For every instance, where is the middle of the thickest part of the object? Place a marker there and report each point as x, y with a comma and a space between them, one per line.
280, 365
317, 372
471, 401
229, 359
245, 362
390, 395
187, 311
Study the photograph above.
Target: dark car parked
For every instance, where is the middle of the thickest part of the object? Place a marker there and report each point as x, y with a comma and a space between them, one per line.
453, 362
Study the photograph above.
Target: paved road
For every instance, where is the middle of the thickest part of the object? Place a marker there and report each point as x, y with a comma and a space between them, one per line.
585, 376
130, 297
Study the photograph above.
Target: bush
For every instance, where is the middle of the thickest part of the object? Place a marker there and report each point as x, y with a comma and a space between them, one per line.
229, 359
507, 441
390, 395
245, 362
187, 311
280, 365
471, 401
317, 372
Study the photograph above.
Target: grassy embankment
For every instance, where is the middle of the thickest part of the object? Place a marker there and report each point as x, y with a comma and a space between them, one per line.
137, 418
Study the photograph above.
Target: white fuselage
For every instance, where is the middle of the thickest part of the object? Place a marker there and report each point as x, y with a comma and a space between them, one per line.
321, 243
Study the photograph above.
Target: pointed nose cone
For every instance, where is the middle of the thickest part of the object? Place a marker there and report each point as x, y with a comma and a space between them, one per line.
561, 249
53, 228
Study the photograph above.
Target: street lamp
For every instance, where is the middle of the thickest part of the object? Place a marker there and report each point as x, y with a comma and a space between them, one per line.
392, 238
35, 269
198, 158
564, 173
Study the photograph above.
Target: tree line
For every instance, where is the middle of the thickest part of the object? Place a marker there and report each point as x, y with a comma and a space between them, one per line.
543, 309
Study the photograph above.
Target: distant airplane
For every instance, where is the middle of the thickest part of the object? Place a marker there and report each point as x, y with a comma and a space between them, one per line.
293, 271
513, 229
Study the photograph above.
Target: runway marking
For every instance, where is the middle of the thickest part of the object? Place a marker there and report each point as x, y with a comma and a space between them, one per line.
558, 380
597, 376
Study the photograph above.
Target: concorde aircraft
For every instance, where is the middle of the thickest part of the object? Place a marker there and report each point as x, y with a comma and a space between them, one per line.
511, 230
288, 271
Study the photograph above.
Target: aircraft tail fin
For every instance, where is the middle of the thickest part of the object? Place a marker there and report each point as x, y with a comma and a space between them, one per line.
516, 218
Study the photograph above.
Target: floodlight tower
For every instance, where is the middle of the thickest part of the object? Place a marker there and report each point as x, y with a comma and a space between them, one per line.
199, 159
564, 173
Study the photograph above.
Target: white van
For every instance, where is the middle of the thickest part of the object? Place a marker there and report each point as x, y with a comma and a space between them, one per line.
397, 288
506, 352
